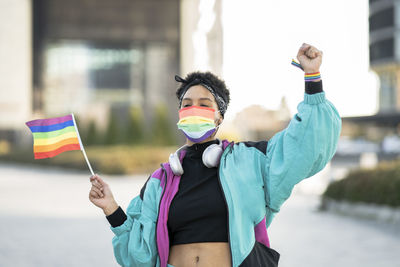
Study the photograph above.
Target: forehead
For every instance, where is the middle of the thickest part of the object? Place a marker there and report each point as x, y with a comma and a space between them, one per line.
198, 91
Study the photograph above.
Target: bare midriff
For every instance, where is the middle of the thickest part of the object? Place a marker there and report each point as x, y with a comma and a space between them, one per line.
207, 254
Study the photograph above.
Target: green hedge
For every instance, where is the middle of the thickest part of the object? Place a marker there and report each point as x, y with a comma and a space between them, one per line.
378, 186
104, 159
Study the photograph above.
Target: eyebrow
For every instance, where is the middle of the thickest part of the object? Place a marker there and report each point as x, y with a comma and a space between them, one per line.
203, 98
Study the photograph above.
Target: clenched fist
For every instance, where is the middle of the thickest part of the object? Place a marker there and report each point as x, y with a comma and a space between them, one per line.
100, 195
310, 58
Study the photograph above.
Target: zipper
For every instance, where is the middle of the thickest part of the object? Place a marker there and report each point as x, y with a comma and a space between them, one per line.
227, 209
159, 204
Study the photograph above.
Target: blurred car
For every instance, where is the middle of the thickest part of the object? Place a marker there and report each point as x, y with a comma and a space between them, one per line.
391, 144
347, 146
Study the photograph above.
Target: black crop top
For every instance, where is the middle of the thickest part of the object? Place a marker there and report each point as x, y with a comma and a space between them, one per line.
198, 211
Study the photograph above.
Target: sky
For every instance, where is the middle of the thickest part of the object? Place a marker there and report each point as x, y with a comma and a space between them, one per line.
262, 36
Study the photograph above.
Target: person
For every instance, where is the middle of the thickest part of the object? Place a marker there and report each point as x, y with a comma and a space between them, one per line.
212, 202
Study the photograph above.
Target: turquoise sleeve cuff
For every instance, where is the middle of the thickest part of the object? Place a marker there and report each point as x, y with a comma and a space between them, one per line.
314, 99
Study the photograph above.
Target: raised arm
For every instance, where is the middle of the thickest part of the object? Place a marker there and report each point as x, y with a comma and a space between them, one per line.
307, 144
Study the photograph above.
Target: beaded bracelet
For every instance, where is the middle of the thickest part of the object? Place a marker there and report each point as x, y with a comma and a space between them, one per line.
308, 77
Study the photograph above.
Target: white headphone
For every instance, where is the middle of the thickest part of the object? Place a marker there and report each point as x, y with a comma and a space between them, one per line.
210, 157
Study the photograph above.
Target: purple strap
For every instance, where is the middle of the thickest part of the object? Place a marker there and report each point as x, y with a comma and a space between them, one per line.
169, 191
261, 233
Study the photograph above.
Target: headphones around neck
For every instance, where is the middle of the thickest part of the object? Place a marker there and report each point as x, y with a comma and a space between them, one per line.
211, 156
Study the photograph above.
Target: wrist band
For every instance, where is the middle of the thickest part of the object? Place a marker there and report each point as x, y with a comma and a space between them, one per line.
294, 63
309, 77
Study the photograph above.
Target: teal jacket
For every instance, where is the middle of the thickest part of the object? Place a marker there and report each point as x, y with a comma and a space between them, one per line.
255, 182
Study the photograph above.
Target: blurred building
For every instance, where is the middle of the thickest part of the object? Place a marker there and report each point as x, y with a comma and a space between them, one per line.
201, 36
91, 57
384, 55
384, 44
257, 123
15, 67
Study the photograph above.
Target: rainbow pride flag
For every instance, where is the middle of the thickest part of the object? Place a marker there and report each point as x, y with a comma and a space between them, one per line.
54, 136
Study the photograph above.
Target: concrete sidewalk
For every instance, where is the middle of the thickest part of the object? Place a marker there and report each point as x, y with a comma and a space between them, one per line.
305, 236
47, 220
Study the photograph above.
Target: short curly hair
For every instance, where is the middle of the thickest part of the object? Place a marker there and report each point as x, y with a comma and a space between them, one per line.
208, 79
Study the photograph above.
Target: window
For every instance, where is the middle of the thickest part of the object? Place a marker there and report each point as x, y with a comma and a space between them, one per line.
382, 19
381, 50
117, 66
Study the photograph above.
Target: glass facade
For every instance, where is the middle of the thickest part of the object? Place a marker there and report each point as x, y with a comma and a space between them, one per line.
387, 99
105, 54
381, 19
106, 67
383, 49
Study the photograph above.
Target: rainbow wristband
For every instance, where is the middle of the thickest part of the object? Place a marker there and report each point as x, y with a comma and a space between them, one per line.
294, 63
309, 77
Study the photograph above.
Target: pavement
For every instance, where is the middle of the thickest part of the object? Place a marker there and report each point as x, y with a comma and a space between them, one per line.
305, 236
46, 220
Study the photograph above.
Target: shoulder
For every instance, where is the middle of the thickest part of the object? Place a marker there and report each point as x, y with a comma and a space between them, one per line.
156, 180
260, 146
153, 180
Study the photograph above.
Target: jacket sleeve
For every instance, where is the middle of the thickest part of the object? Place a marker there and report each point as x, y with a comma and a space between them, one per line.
302, 149
134, 241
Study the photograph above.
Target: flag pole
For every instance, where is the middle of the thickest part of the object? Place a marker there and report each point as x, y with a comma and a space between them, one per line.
80, 143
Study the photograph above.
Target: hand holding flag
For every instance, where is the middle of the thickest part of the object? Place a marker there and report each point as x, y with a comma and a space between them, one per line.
56, 135
100, 195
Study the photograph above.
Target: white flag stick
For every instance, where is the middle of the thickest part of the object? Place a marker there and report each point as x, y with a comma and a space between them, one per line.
80, 143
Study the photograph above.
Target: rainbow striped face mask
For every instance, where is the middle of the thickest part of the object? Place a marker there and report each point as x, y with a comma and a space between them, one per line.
197, 123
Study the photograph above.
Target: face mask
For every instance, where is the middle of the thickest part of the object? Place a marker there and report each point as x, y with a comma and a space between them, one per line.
197, 123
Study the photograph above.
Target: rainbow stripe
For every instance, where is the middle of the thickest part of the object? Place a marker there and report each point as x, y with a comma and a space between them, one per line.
312, 76
294, 63
54, 136
197, 123
308, 77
